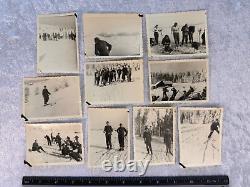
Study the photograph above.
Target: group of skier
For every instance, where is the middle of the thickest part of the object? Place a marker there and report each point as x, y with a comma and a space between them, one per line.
187, 95
68, 147
121, 132
111, 74
187, 36
55, 36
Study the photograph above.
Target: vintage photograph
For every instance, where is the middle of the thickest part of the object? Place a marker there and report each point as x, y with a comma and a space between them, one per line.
57, 43
154, 134
178, 81
114, 82
108, 135
46, 98
200, 134
54, 143
114, 35
177, 34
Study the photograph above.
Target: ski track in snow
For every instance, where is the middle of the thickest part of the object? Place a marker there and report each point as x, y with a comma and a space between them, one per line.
159, 151
98, 152
196, 148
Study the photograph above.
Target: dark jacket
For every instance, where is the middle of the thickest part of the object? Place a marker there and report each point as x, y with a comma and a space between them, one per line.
122, 131
102, 48
147, 136
108, 130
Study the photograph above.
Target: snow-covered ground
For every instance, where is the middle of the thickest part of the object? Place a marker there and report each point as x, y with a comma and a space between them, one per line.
198, 88
117, 92
97, 152
185, 49
195, 148
53, 154
57, 56
159, 151
61, 96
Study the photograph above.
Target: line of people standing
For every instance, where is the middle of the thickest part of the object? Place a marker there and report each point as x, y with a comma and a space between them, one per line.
55, 36
187, 35
108, 75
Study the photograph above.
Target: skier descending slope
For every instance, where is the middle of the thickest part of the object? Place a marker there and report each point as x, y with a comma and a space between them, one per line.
46, 94
214, 127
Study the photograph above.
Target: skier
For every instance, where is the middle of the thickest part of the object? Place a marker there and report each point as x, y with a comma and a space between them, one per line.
167, 141
97, 77
129, 74
185, 31
156, 34
48, 139
36, 147
46, 94
122, 133
172, 98
108, 133
175, 31
214, 127
77, 145
58, 140
102, 48
119, 71
147, 136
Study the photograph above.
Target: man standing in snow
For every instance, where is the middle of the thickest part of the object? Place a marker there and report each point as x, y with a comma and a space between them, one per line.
58, 140
108, 133
122, 133
214, 127
147, 136
46, 94
168, 141
48, 139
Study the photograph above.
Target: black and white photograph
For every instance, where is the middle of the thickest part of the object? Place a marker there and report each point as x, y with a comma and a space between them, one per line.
114, 82
54, 144
179, 81
200, 134
108, 135
177, 34
46, 98
57, 43
112, 35
154, 134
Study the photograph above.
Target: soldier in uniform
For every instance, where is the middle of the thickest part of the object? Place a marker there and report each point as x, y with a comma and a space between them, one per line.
147, 136
45, 94
168, 141
108, 133
122, 133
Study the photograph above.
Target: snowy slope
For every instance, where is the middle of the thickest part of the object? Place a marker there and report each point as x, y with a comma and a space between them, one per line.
122, 92
64, 96
57, 56
159, 151
97, 149
195, 148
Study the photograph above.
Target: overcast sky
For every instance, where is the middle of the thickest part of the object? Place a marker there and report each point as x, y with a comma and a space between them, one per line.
58, 20
98, 116
182, 66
